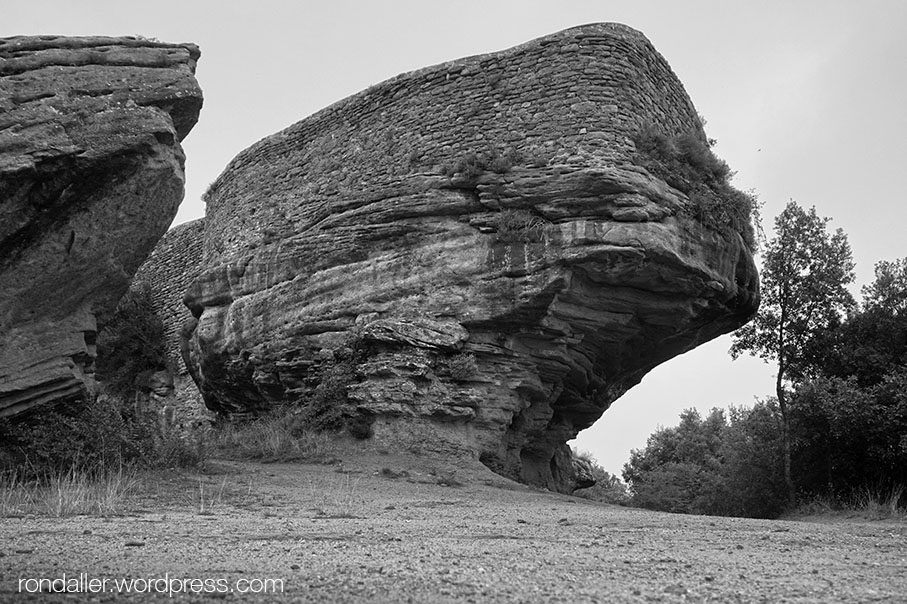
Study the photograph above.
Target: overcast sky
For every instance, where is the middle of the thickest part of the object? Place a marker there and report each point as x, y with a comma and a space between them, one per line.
806, 99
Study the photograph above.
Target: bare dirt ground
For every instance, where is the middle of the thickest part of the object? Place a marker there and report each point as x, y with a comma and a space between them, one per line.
392, 529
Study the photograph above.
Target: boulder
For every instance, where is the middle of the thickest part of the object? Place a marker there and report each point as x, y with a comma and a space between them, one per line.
469, 259
583, 474
91, 175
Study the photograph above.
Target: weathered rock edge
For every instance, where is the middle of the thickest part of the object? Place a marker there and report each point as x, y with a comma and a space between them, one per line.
465, 256
91, 175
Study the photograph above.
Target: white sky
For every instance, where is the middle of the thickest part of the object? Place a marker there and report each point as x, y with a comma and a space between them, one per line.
806, 98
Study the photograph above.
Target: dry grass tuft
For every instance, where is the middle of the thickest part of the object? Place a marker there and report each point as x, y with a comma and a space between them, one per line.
70, 493
278, 437
338, 499
866, 503
881, 504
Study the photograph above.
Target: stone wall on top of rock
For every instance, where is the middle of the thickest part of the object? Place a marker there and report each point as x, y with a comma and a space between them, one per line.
466, 259
571, 99
171, 268
91, 175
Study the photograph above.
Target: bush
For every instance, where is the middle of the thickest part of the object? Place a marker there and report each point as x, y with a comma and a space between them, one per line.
281, 435
329, 407
684, 160
80, 452
131, 342
462, 366
112, 429
324, 412
468, 168
869, 503
102, 435
881, 503
519, 225
471, 166
849, 439
687, 163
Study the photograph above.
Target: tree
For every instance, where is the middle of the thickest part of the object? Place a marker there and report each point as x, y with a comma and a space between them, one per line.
679, 470
850, 438
889, 290
872, 342
805, 273
711, 465
849, 425
751, 462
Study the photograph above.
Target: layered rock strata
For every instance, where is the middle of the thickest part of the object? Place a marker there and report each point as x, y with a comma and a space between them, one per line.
465, 259
91, 175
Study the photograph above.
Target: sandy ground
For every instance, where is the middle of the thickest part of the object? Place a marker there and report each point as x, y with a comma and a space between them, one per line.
390, 529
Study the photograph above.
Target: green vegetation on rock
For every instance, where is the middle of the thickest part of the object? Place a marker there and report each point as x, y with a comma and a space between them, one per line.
687, 163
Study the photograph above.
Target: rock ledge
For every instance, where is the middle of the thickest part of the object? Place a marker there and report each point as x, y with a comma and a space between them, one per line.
91, 175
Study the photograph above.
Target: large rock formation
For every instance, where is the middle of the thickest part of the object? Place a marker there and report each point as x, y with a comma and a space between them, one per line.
467, 258
91, 175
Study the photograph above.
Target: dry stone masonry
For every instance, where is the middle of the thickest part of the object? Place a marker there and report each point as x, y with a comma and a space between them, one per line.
168, 272
91, 174
465, 260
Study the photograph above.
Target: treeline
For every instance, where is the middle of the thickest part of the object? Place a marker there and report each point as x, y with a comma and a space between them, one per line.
836, 429
726, 464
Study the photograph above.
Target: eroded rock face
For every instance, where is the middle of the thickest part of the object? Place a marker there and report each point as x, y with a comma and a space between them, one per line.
91, 175
466, 257
583, 474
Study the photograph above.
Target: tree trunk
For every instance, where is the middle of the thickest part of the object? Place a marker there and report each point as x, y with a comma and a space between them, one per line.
785, 443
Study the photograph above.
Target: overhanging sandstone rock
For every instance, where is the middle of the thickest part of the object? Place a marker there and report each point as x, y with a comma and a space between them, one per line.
470, 251
91, 175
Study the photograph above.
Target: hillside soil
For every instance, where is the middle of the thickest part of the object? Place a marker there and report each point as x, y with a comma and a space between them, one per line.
383, 528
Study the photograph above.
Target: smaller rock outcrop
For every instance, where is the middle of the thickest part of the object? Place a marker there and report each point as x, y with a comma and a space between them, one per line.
583, 474
91, 175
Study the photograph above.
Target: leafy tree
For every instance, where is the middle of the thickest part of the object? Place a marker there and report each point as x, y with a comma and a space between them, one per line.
850, 423
751, 462
889, 290
850, 437
873, 341
712, 465
679, 470
805, 273
848, 412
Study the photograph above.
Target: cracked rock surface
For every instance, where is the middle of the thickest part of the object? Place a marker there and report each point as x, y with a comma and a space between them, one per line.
91, 175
